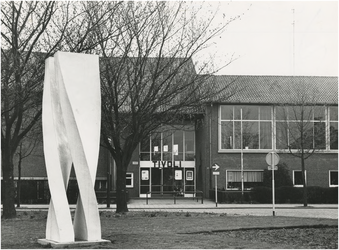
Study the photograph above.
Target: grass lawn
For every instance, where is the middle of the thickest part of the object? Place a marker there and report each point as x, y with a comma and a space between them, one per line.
163, 230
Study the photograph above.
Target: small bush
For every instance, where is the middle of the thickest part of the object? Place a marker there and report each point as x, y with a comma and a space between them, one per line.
288, 195
321, 195
262, 194
282, 177
231, 196
284, 194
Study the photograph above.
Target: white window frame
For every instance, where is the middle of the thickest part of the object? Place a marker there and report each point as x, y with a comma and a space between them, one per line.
294, 185
130, 178
329, 178
257, 150
237, 170
327, 122
181, 128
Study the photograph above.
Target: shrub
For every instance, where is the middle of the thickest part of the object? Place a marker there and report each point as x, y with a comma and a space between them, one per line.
284, 194
262, 194
321, 195
288, 194
282, 177
228, 196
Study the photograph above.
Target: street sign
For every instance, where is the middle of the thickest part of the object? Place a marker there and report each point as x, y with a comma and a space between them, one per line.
215, 167
271, 158
270, 168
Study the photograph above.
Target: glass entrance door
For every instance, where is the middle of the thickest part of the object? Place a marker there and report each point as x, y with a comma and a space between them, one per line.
167, 157
162, 181
156, 187
168, 179
144, 181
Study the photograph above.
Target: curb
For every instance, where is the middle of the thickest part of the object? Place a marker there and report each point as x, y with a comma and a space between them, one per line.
263, 228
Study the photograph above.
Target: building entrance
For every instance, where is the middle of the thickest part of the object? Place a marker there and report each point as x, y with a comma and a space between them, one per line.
167, 181
167, 162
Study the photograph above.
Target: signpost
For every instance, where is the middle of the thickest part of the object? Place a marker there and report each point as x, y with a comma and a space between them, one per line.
215, 167
272, 159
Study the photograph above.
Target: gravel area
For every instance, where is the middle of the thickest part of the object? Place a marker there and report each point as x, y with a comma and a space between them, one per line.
312, 237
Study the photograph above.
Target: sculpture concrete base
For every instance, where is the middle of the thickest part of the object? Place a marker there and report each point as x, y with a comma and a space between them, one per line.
72, 244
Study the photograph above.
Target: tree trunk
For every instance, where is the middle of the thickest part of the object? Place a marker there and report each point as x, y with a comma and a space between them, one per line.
9, 188
19, 183
121, 189
304, 181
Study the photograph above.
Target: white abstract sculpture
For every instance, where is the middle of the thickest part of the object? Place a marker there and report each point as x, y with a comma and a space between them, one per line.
71, 134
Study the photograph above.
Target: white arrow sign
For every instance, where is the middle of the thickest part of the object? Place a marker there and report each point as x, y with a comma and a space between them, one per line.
215, 167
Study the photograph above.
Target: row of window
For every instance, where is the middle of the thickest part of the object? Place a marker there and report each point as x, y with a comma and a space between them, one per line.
255, 178
101, 185
170, 145
278, 127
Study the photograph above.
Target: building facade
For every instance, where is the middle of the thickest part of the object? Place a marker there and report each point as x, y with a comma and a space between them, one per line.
263, 115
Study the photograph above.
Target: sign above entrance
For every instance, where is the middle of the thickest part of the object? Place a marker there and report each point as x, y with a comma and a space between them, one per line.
167, 164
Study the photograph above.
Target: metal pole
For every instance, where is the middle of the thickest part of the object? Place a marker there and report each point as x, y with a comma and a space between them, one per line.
216, 193
108, 197
273, 191
242, 158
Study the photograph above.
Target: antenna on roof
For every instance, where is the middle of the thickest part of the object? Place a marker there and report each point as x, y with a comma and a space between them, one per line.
293, 24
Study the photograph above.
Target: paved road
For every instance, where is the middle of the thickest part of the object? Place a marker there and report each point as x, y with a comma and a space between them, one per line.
329, 211
294, 210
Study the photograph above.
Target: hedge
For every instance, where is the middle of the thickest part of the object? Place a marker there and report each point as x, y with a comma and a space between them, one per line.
315, 195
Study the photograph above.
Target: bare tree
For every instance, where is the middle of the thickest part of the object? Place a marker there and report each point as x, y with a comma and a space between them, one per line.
26, 147
31, 32
301, 127
148, 77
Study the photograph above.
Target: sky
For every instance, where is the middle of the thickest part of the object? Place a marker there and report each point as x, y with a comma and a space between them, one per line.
264, 40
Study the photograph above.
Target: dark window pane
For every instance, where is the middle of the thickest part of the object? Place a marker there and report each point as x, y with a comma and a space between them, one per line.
167, 146
294, 135
237, 135
298, 113
281, 136
334, 135
226, 135
156, 147
248, 112
265, 113
334, 177
265, 135
250, 135
319, 135
189, 141
319, 113
145, 145
281, 113
178, 145
145, 157
298, 178
226, 112
334, 113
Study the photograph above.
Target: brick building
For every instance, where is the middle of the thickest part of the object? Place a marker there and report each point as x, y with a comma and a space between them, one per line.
262, 112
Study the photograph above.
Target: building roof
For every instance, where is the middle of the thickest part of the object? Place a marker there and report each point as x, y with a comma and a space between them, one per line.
276, 89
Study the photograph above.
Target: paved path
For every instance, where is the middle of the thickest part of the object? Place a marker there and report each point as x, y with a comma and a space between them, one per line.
329, 211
